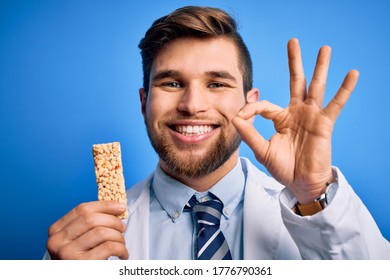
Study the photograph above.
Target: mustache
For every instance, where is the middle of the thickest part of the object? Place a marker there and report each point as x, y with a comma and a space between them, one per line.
182, 118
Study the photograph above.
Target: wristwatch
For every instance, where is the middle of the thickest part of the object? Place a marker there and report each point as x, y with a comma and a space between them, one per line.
315, 206
311, 208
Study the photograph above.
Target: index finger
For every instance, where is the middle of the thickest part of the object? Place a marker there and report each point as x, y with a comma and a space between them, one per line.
107, 207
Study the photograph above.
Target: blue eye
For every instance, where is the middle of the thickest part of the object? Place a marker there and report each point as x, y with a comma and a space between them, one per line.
216, 85
173, 84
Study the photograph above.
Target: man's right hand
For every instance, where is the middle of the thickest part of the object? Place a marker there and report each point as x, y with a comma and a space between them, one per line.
90, 231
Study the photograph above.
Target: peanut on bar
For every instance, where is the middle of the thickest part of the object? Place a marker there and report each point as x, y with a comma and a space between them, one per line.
109, 173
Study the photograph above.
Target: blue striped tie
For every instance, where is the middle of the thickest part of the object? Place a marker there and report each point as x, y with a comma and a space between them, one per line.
211, 243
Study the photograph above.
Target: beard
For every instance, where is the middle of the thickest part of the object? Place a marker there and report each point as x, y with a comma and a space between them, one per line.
193, 166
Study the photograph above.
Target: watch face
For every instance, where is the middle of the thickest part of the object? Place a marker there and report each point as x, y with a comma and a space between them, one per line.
323, 200
330, 192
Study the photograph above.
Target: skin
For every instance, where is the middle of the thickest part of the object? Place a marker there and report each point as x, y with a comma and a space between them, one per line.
298, 155
195, 82
90, 231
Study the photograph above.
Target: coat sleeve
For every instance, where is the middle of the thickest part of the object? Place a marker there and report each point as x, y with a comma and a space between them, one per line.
343, 230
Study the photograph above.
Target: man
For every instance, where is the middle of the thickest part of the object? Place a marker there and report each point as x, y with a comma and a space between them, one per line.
198, 103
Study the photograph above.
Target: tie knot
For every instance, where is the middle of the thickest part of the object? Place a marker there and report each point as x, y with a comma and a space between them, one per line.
208, 212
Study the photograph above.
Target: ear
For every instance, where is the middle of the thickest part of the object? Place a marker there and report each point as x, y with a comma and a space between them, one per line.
143, 98
253, 95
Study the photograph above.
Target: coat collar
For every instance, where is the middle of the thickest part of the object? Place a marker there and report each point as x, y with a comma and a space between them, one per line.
262, 224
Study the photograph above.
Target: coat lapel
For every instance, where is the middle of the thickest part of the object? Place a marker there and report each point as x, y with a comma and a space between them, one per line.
137, 232
262, 221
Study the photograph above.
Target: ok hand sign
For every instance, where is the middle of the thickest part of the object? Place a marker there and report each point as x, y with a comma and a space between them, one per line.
299, 154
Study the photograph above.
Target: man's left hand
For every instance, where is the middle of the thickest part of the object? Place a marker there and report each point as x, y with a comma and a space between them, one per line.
299, 154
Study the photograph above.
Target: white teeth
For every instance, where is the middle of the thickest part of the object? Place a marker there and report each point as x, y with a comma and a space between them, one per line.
193, 130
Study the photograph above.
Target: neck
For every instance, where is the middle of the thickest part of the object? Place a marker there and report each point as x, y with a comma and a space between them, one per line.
204, 183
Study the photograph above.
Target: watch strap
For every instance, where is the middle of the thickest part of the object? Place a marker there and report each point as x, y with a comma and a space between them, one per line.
310, 208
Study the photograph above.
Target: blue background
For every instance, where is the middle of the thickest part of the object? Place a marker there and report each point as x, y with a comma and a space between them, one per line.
70, 73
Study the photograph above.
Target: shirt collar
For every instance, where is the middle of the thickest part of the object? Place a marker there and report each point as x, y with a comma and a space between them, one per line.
173, 195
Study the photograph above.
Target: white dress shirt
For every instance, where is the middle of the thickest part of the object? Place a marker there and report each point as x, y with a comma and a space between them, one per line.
169, 222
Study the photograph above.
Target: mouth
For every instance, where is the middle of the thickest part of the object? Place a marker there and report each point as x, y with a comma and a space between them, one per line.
193, 130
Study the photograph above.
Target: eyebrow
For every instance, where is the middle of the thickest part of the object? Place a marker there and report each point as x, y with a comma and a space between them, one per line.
222, 75
176, 74
166, 74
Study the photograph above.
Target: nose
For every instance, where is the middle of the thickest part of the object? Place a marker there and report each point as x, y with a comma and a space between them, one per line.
193, 100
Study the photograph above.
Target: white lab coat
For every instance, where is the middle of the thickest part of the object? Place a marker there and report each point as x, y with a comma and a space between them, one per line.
343, 230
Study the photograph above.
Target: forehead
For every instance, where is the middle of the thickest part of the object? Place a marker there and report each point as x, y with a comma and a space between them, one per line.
198, 56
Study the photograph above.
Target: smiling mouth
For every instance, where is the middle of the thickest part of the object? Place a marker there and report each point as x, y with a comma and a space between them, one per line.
193, 130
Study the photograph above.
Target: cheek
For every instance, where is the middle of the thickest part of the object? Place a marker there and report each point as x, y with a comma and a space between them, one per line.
158, 107
230, 108
153, 103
